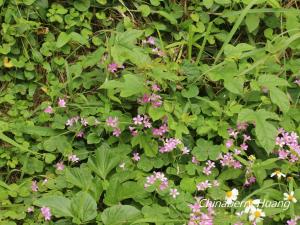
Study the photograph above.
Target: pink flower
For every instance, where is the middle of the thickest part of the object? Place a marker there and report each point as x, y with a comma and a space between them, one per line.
194, 160
155, 87
133, 131
151, 40
138, 120
202, 186
136, 156
46, 213
61, 103
297, 82
229, 143
112, 122
34, 186
73, 158
113, 67
244, 146
242, 126
169, 145
116, 132
60, 166
48, 110
174, 192
246, 137
80, 134
83, 122
146, 122
283, 154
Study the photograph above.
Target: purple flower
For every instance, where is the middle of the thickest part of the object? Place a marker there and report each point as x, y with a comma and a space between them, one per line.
80, 134
229, 143
151, 40
116, 132
61, 103
84, 122
112, 122
34, 186
174, 192
138, 120
73, 158
113, 67
48, 110
155, 87
46, 213
60, 166
136, 156
297, 82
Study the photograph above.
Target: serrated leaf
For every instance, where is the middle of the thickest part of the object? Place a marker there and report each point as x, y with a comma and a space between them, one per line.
279, 98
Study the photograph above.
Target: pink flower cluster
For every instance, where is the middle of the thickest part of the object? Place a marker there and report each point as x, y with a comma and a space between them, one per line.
159, 132
46, 213
140, 120
157, 176
234, 134
228, 160
202, 186
113, 67
288, 144
61, 103
114, 122
197, 217
209, 166
73, 120
293, 221
153, 98
169, 145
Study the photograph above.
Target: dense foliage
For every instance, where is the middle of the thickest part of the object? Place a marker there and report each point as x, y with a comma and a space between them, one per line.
132, 112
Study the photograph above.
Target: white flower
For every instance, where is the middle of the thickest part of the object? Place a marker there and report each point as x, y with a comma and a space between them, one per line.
122, 165
174, 192
278, 174
256, 216
290, 197
251, 205
231, 196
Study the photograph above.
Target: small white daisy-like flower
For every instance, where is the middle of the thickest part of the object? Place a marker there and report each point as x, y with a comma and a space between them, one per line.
174, 192
231, 196
290, 197
257, 215
251, 205
278, 174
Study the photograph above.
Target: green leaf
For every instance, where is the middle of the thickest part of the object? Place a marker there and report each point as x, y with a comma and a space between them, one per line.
279, 98
92, 58
252, 21
80, 177
168, 16
63, 38
145, 10
234, 85
192, 91
120, 214
104, 161
149, 145
265, 131
82, 5
83, 207
270, 81
156, 113
59, 205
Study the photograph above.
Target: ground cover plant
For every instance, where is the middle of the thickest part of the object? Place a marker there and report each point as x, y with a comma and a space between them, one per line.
139, 112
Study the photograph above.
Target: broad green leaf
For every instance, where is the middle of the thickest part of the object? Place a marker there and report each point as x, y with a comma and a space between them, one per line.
191, 92
92, 58
270, 81
120, 214
83, 208
82, 5
279, 98
80, 177
145, 142
63, 38
59, 205
252, 21
145, 10
104, 161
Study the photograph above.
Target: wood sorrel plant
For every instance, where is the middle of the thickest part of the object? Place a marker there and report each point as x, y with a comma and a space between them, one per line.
134, 112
